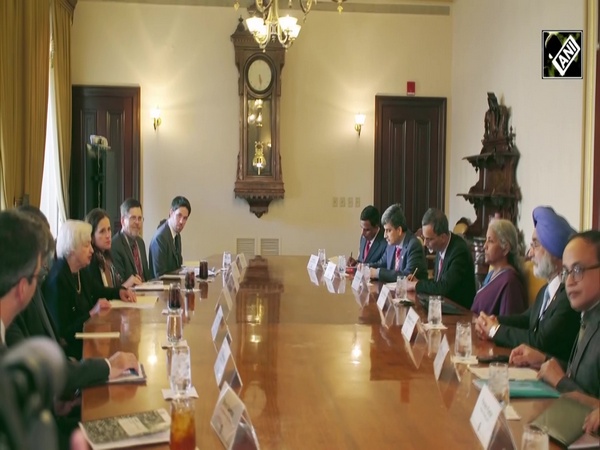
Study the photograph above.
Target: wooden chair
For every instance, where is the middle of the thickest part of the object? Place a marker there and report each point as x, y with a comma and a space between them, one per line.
534, 284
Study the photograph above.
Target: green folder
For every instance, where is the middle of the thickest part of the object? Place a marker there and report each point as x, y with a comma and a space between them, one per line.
526, 388
563, 420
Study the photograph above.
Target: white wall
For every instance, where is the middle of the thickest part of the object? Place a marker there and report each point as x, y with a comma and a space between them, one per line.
497, 47
183, 59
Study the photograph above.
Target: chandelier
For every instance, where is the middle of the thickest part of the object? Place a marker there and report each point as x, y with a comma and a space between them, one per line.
286, 28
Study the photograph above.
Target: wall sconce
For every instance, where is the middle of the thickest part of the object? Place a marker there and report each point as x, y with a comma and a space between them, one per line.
155, 114
359, 121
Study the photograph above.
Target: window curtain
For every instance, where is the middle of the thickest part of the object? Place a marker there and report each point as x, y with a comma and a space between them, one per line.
24, 52
62, 20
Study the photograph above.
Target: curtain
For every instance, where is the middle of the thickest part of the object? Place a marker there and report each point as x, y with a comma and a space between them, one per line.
62, 19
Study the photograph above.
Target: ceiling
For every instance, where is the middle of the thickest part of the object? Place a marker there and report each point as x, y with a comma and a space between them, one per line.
439, 7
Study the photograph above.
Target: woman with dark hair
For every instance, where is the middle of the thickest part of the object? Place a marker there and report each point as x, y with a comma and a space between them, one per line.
101, 267
503, 291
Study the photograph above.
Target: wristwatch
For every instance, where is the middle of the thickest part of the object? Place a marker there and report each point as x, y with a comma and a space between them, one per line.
493, 331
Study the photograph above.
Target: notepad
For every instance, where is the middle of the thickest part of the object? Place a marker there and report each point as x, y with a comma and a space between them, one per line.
152, 286
99, 335
514, 373
143, 302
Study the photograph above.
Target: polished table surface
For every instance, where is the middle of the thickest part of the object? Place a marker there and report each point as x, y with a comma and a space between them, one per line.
320, 370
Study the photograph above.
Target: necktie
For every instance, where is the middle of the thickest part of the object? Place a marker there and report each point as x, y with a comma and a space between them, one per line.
440, 265
137, 260
398, 259
366, 252
178, 249
545, 302
576, 350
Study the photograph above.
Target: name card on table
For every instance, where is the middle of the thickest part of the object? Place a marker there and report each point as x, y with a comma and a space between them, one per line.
221, 361
358, 280
228, 301
235, 273
219, 329
242, 260
438, 362
485, 415
231, 421
383, 296
313, 262
409, 324
330, 271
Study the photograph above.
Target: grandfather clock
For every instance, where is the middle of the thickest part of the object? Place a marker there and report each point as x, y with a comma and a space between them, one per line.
259, 180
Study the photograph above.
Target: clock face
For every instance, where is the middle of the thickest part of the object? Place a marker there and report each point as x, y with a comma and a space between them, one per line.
260, 76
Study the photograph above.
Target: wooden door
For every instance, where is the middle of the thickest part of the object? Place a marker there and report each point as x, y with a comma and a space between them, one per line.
105, 179
410, 154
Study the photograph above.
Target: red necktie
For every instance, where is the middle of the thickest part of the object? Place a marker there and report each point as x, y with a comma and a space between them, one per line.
366, 252
439, 272
136, 259
398, 253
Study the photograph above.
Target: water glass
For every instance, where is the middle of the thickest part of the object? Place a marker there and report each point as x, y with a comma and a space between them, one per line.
180, 377
498, 382
434, 311
463, 345
183, 424
174, 326
534, 438
190, 279
226, 260
342, 264
203, 270
174, 302
401, 288
322, 257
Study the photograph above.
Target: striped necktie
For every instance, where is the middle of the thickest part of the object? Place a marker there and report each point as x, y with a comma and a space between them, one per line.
398, 258
545, 302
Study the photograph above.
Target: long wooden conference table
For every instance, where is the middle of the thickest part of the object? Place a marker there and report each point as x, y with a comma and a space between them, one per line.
320, 369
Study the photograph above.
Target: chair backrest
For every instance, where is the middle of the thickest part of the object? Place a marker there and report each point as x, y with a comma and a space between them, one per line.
534, 284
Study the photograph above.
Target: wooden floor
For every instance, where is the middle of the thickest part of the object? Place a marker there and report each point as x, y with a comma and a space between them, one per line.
320, 370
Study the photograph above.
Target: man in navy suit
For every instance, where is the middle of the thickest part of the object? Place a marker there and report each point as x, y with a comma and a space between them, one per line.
404, 253
454, 274
372, 243
128, 248
165, 247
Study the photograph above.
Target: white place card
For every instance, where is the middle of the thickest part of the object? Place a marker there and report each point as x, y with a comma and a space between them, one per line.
242, 259
485, 415
383, 296
330, 271
235, 272
214, 330
410, 323
358, 279
228, 299
221, 361
438, 362
313, 262
227, 415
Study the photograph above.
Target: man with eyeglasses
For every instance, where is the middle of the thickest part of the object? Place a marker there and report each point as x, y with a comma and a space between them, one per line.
550, 324
581, 275
128, 248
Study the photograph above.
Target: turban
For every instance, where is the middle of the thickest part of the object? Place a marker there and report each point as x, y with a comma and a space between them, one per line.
552, 229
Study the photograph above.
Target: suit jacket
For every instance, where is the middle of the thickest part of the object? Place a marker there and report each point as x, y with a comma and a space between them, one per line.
457, 279
70, 310
34, 320
375, 252
554, 334
164, 257
583, 371
123, 256
412, 257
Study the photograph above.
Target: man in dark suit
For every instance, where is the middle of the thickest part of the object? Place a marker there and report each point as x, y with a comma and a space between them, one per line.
581, 275
454, 273
165, 247
550, 324
128, 249
404, 253
372, 243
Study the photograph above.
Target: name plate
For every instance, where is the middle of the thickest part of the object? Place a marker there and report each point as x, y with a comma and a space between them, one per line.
485, 415
438, 362
228, 299
221, 361
214, 329
330, 271
228, 416
235, 273
242, 260
358, 278
410, 323
383, 296
313, 262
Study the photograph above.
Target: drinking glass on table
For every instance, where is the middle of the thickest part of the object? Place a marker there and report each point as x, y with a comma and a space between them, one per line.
401, 288
342, 264
183, 424
534, 438
322, 258
463, 345
174, 302
434, 311
174, 326
190, 279
203, 270
498, 383
180, 377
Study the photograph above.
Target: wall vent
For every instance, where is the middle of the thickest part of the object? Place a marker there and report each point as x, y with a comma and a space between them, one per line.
246, 246
269, 247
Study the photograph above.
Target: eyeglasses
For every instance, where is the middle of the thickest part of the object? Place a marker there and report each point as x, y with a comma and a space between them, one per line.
136, 218
577, 271
534, 244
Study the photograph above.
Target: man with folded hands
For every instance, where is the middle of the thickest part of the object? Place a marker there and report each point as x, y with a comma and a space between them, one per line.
550, 324
581, 275
404, 253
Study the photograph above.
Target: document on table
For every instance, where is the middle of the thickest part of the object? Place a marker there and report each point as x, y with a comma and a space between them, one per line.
143, 302
152, 286
514, 373
99, 335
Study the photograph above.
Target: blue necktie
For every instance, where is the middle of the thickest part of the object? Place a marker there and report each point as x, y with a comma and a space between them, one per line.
545, 302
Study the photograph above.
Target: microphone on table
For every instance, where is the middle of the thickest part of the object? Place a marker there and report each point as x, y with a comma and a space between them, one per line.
32, 374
